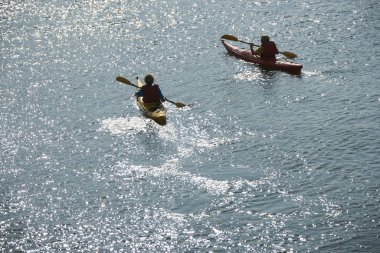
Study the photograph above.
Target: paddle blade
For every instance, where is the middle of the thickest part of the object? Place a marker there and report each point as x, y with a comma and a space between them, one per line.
123, 80
229, 37
289, 55
180, 105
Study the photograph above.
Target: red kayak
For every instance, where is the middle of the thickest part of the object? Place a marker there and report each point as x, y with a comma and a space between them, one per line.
246, 55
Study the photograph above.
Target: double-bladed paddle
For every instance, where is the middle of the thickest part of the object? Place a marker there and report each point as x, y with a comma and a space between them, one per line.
126, 81
287, 54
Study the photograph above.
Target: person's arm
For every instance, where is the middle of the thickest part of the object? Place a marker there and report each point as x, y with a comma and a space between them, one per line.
258, 51
251, 46
163, 99
276, 50
139, 93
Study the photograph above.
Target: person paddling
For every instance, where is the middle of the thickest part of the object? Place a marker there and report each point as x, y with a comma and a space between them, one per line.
267, 50
150, 92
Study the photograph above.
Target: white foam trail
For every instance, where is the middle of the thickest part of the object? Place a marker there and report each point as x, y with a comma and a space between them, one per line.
124, 125
169, 168
247, 75
212, 186
133, 125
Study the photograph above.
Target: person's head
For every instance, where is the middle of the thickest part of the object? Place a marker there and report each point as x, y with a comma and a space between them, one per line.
149, 79
264, 39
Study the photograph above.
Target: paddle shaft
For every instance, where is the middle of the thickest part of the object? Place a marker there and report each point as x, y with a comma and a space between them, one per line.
174, 103
256, 45
248, 43
285, 53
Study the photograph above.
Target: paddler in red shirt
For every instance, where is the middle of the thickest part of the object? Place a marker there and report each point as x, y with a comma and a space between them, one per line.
267, 50
150, 92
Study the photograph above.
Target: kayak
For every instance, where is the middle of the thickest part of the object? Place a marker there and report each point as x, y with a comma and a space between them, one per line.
154, 111
247, 56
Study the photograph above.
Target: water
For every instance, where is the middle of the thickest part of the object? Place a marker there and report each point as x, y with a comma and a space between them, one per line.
261, 162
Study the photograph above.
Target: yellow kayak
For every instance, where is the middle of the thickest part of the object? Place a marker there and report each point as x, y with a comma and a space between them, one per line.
154, 111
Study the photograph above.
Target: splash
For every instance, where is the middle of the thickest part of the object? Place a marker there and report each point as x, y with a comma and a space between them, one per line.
124, 125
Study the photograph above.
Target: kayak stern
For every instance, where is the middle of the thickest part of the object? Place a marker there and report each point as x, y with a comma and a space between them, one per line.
154, 111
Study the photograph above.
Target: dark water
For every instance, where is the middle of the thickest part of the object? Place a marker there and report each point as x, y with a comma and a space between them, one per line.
261, 162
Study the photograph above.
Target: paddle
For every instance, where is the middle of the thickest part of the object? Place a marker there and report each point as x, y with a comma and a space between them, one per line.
126, 81
287, 54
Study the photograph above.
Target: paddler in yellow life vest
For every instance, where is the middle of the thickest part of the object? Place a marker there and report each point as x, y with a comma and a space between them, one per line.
267, 50
150, 92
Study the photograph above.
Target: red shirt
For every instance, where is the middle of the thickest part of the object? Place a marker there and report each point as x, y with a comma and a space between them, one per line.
151, 94
270, 51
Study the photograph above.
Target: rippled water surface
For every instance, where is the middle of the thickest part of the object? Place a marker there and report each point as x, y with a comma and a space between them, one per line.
261, 161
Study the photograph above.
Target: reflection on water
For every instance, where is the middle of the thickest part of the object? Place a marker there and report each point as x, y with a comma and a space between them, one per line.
262, 162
